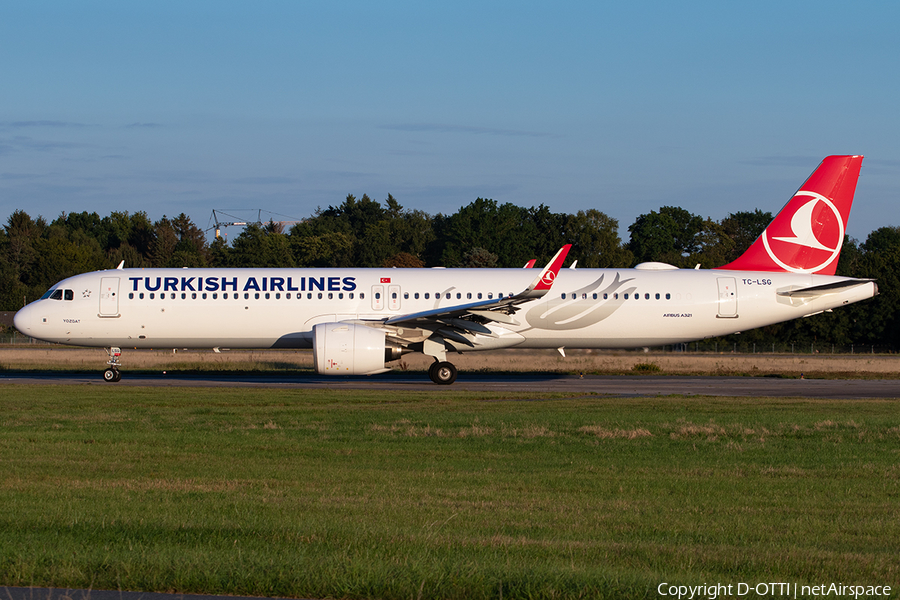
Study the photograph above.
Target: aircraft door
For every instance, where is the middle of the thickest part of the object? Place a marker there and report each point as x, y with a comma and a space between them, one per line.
109, 296
727, 297
377, 297
394, 297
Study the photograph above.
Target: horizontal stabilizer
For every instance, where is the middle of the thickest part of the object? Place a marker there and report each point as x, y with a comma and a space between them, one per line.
824, 290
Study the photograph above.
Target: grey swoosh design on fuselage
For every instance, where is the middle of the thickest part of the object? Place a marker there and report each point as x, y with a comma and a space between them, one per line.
561, 315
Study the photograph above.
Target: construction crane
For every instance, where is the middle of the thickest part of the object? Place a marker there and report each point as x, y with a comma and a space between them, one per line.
218, 223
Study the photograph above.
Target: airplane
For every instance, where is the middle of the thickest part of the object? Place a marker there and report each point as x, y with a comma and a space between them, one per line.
358, 320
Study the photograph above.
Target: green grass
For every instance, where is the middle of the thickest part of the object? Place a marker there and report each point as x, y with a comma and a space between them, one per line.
441, 493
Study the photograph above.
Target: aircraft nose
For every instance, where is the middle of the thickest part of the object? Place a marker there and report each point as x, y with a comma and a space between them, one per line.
22, 320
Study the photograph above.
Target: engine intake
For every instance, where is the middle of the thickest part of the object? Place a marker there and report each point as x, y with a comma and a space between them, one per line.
349, 349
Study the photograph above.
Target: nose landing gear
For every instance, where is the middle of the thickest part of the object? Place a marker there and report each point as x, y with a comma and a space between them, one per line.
112, 373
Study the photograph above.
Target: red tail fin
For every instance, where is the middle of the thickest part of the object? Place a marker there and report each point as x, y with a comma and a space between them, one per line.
807, 235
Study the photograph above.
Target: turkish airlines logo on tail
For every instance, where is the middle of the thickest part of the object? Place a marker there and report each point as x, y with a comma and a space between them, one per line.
548, 278
811, 240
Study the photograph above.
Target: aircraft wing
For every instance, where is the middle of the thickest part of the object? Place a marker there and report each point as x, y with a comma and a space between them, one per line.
461, 322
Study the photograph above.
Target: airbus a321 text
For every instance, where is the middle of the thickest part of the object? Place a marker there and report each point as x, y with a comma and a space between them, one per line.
358, 320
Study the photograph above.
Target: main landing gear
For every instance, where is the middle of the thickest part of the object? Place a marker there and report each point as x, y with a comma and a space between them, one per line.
112, 373
442, 372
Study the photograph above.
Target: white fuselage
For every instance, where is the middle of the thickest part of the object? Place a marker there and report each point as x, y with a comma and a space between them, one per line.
271, 308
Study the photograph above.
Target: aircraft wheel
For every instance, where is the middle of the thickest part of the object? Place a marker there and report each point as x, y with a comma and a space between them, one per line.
111, 375
442, 373
118, 376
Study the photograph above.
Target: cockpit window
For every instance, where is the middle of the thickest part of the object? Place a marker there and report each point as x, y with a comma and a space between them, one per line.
59, 294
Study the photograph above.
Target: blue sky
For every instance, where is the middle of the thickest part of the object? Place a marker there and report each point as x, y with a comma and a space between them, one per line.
172, 107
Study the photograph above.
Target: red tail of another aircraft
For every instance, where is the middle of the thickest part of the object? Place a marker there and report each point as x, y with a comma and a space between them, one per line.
807, 235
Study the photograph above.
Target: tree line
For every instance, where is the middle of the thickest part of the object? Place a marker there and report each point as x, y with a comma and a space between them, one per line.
361, 232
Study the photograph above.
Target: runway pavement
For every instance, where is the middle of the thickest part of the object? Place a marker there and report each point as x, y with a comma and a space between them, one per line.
505, 382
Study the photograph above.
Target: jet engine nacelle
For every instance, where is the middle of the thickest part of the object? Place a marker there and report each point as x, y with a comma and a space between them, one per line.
348, 349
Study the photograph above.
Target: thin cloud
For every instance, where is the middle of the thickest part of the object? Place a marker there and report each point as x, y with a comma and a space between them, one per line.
443, 128
274, 180
18, 176
870, 165
22, 144
444, 197
53, 124
882, 163
144, 125
784, 161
